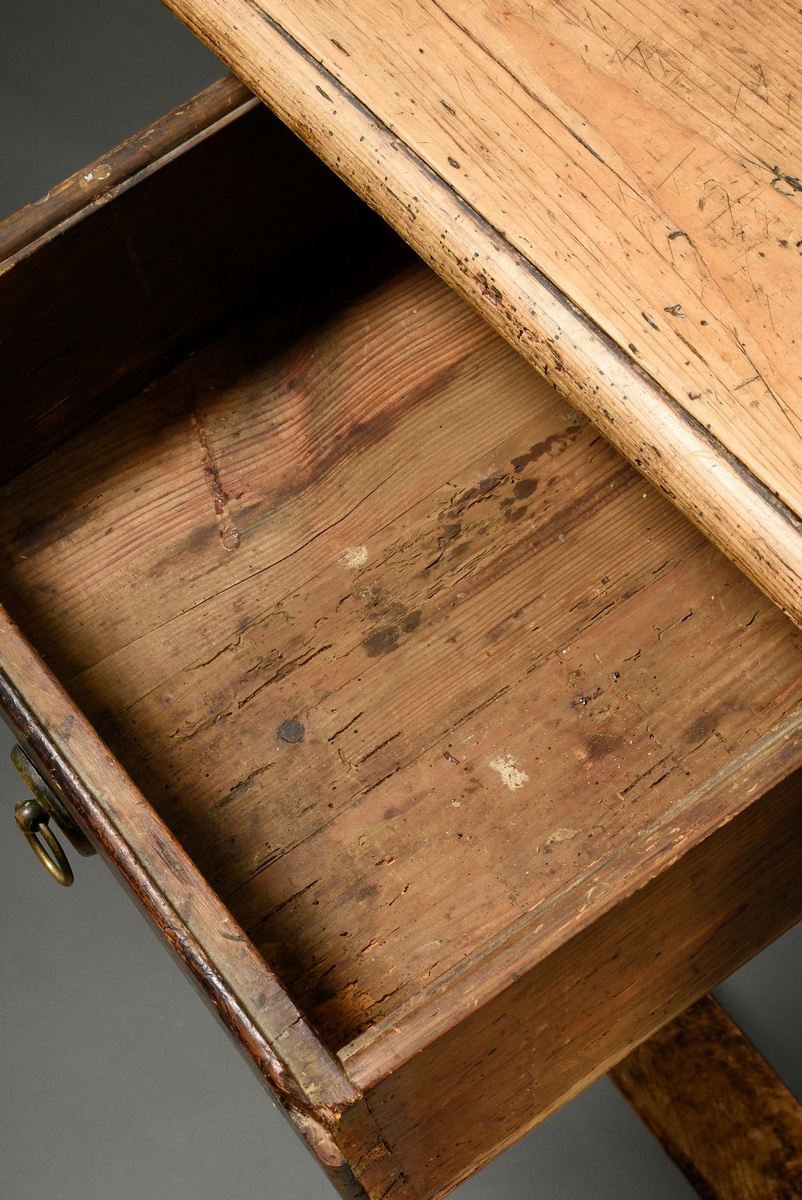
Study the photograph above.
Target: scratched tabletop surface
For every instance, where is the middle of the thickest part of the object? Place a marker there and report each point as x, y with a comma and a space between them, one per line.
617, 185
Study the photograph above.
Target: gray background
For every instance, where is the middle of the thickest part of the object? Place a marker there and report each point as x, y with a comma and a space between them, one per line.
116, 1081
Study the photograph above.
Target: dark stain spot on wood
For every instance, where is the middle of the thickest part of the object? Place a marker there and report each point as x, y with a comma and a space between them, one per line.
42, 534
381, 641
250, 510
200, 537
789, 180
701, 728
554, 442
389, 619
515, 514
524, 488
291, 731
453, 162
411, 621
602, 744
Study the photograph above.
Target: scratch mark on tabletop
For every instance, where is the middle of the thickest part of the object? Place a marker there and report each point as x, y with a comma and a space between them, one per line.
674, 170
781, 405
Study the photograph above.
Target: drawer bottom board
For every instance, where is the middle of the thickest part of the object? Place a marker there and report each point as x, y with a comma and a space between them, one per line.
396, 644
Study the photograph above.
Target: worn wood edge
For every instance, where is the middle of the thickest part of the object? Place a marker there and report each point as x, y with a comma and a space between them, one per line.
310, 1086
730, 505
134, 159
526, 943
679, 1081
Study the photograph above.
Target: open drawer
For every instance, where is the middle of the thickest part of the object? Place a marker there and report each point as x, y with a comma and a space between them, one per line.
446, 755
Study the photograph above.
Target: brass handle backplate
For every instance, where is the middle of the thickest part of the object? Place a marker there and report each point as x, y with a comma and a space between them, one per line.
33, 816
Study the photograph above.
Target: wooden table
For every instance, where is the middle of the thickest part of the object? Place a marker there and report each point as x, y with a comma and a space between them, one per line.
448, 757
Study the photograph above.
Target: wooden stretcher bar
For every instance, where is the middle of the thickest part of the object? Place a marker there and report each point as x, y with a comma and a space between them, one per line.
716, 1106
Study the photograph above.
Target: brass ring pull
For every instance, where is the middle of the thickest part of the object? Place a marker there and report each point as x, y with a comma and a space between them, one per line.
33, 821
32, 817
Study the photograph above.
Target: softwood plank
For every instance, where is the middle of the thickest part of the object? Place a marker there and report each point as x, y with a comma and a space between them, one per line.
536, 145
118, 272
716, 1106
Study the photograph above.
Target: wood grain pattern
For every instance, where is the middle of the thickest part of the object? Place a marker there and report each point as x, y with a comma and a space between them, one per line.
606, 153
716, 1106
115, 274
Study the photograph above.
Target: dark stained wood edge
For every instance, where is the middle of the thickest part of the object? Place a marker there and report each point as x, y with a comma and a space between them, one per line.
107, 177
530, 941
717, 1108
715, 491
308, 1083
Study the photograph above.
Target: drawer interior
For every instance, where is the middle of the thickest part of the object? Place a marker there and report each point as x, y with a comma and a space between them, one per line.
394, 642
